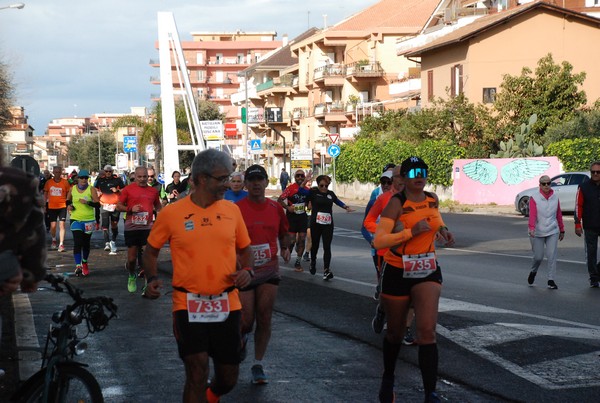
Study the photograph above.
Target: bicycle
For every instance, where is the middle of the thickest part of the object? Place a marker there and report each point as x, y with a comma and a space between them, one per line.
61, 379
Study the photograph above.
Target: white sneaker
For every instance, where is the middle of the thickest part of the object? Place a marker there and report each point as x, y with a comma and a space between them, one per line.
113, 248
107, 246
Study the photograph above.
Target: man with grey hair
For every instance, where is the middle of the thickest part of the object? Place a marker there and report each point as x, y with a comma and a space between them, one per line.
545, 229
206, 234
236, 190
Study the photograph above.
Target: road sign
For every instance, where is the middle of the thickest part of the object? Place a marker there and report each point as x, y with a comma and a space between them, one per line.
334, 137
333, 150
130, 144
255, 146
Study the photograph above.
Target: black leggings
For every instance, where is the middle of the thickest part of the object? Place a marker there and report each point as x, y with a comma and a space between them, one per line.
316, 232
81, 242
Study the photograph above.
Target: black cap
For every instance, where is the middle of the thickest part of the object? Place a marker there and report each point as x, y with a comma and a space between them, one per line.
412, 162
254, 171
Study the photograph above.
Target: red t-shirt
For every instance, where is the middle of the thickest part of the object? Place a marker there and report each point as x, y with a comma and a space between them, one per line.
266, 223
147, 197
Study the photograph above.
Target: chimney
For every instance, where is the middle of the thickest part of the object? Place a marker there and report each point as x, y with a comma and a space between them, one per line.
284, 39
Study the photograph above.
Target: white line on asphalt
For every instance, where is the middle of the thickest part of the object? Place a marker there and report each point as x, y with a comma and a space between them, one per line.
504, 254
27, 339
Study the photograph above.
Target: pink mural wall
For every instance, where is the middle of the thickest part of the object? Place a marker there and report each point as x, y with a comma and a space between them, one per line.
498, 180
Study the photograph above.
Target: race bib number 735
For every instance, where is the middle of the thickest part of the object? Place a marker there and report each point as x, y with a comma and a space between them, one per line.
419, 266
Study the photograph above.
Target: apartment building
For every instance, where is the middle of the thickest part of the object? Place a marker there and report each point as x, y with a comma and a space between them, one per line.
214, 61
18, 139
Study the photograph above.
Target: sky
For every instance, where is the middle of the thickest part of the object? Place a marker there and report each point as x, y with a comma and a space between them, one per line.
72, 58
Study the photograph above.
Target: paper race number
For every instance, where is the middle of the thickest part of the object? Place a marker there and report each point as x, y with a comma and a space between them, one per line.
207, 308
419, 266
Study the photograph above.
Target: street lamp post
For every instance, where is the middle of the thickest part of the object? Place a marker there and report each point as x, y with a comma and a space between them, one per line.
16, 5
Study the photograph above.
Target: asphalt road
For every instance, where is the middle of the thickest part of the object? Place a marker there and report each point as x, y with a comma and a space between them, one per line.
499, 339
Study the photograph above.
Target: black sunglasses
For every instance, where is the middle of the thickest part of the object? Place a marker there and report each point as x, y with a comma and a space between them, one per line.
385, 181
545, 183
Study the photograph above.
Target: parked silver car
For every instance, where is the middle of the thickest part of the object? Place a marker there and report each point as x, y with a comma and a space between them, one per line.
565, 185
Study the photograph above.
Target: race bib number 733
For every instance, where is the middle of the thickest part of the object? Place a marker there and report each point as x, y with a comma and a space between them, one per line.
213, 308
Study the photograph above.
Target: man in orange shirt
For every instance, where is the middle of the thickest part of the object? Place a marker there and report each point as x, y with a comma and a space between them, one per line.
55, 194
205, 234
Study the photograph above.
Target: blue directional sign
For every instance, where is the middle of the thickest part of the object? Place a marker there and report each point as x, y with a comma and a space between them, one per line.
334, 150
130, 144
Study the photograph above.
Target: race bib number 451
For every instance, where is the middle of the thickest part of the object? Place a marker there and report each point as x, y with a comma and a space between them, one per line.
419, 266
214, 308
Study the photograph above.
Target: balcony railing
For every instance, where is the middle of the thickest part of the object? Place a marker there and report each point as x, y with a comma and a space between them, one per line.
278, 82
362, 69
330, 70
298, 113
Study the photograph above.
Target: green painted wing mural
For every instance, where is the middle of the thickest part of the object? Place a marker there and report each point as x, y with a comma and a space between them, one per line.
481, 171
521, 170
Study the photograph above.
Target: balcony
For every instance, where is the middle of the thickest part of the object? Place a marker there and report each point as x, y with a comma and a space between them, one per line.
155, 80
278, 84
298, 113
330, 112
330, 75
364, 69
406, 87
154, 62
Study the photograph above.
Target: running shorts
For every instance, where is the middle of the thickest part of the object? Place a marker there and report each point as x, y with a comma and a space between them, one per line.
108, 217
297, 223
221, 340
136, 238
392, 282
57, 214
86, 226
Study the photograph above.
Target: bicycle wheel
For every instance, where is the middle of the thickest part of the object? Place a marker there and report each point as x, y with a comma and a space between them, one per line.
73, 384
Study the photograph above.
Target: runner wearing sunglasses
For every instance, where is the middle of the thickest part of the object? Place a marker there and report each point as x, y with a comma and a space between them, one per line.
409, 225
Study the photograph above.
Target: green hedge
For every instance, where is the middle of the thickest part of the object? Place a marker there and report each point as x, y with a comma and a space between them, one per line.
364, 159
575, 154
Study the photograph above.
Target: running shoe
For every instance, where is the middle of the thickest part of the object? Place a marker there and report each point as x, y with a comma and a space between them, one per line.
432, 397
313, 270
298, 266
258, 375
306, 257
244, 350
85, 269
594, 284
552, 285
61, 248
78, 270
327, 274
54, 244
107, 246
386, 390
113, 248
408, 340
378, 320
132, 283
531, 277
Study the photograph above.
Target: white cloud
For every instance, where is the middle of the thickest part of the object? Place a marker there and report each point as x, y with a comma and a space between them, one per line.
95, 54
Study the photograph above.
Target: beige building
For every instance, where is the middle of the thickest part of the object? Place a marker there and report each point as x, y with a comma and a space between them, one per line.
473, 59
18, 138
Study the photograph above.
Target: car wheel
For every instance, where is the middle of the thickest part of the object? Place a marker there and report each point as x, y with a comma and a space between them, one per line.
524, 206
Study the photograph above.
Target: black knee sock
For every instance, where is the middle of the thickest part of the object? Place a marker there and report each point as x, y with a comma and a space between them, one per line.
115, 232
390, 356
428, 362
106, 237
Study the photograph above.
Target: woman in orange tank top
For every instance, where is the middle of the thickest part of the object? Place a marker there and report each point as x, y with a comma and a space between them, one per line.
409, 226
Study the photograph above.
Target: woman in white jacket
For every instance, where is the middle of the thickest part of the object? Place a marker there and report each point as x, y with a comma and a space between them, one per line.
545, 229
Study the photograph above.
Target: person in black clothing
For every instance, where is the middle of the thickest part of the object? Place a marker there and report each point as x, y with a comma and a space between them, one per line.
321, 220
45, 178
587, 210
110, 186
284, 179
175, 188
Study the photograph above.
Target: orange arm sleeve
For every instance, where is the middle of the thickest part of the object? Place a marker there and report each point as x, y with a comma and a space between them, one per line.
384, 237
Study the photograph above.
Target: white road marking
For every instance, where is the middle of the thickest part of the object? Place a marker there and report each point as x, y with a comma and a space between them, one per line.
27, 339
